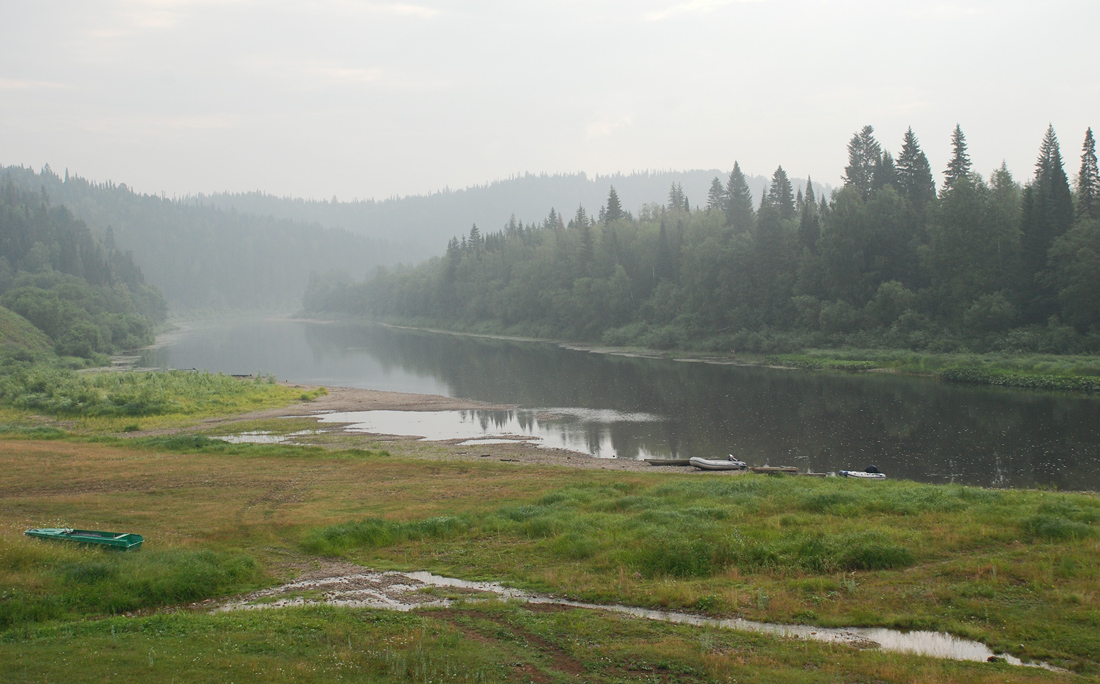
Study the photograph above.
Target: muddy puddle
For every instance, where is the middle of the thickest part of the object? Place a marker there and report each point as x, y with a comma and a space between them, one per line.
406, 591
265, 437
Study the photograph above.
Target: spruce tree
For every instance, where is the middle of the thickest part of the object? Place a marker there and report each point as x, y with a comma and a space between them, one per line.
1046, 214
885, 173
864, 153
739, 214
959, 165
809, 225
914, 172
614, 207
716, 198
553, 221
781, 195
580, 219
1088, 181
676, 197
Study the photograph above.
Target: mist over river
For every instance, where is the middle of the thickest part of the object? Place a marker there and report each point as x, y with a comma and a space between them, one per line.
626, 407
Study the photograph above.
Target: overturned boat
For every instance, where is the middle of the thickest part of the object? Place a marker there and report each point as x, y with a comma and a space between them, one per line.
862, 474
717, 464
122, 541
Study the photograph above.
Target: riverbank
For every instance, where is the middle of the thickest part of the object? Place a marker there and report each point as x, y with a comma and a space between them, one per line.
1020, 371
1010, 569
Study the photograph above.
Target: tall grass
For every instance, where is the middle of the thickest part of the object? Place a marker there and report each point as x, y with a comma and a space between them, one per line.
63, 392
43, 580
700, 528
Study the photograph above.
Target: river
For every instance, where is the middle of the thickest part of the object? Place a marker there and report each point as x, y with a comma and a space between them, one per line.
627, 407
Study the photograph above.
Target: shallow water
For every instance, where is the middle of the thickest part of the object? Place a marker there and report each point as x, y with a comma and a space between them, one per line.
630, 407
402, 591
583, 431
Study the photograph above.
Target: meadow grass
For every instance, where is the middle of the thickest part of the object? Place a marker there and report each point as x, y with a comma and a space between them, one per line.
46, 580
1015, 569
1002, 566
129, 401
469, 644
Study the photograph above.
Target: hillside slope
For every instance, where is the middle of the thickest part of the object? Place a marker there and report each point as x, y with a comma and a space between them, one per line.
17, 332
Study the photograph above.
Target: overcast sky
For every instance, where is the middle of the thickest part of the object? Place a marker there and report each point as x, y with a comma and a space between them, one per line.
370, 99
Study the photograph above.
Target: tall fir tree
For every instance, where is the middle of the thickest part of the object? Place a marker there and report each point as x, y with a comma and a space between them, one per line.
1088, 181
914, 173
739, 213
614, 207
1046, 215
676, 197
716, 197
781, 194
885, 173
580, 219
959, 165
864, 153
553, 221
809, 224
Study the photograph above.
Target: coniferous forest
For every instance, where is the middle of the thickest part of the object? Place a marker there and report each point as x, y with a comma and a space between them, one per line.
892, 259
87, 297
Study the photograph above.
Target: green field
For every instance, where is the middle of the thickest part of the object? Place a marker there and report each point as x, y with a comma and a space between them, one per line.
1015, 569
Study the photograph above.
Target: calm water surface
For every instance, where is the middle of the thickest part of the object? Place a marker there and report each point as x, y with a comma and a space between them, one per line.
614, 406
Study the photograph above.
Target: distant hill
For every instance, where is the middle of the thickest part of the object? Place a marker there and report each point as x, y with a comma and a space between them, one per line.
17, 332
202, 257
419, 226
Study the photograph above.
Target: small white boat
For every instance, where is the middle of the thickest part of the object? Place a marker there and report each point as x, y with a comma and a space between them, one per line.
861, 474
715, 464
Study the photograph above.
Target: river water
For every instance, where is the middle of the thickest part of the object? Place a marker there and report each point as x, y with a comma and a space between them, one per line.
627, 407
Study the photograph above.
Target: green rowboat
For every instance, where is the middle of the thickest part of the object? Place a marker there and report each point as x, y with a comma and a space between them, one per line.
114, 540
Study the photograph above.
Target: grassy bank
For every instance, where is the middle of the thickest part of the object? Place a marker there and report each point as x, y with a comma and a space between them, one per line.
1014, 371
467, 644
116, 401
1012, 568
1004, 567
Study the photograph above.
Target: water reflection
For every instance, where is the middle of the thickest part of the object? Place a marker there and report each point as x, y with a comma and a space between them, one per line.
914, 428
575, 430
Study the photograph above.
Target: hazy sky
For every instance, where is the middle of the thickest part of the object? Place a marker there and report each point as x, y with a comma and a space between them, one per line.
370, 99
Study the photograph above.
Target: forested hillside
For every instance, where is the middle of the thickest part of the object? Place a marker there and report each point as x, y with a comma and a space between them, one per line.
888, 260
203, 258
417, 227
88, 298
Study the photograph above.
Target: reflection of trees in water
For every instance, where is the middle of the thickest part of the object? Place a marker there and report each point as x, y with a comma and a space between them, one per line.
916, 428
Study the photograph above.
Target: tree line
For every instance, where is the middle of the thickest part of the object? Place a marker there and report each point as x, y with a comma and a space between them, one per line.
889, 259
88, 296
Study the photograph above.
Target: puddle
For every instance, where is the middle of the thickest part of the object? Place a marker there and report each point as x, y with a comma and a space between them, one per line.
264, 437
587, 431
479, 442
405, 591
